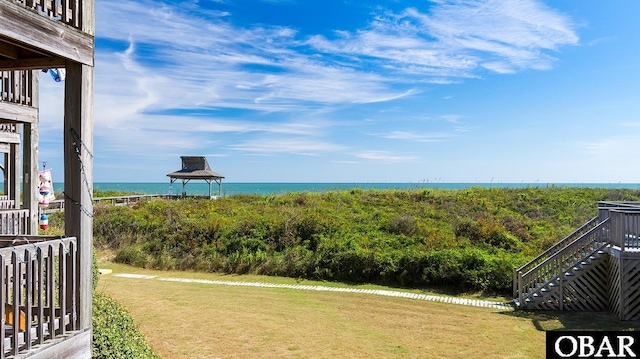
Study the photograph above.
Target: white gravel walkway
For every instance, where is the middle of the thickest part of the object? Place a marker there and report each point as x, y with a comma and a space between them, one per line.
388, 293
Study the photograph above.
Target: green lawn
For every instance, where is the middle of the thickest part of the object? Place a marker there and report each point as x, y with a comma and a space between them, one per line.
194, 320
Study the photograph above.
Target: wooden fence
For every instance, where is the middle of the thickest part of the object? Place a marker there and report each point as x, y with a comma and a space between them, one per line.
38, 290
58, 205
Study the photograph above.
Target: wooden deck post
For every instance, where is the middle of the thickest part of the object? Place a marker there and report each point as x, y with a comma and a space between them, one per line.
30, 175
78, 168
14, 173
78, 176
5, 169
30, 164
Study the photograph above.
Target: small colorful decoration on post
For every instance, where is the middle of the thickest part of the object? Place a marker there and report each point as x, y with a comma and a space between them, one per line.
45, 188
44, 222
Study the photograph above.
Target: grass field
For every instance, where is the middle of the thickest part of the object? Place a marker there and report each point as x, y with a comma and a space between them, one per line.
192, 320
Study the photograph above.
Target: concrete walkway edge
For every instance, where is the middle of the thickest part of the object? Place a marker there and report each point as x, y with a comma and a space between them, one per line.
383, 292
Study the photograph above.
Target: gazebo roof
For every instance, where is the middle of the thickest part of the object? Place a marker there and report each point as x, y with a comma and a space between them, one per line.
195, 167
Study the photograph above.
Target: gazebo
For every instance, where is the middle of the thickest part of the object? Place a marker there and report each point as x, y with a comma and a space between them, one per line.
197, 168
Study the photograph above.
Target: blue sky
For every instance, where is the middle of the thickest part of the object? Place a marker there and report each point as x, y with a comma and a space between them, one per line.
354, 91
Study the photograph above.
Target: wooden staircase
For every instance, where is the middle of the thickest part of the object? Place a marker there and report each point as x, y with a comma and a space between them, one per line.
592, 269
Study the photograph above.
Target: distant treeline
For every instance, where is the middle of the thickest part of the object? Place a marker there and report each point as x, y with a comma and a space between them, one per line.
468, 239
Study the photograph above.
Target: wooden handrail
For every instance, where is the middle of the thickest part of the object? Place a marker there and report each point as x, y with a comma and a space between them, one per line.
559, 246
562, 260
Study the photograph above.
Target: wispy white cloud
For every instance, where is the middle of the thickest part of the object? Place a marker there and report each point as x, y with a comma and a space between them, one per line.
417, 137
451, 118
385, 156
307, 147
613, 147
456, 38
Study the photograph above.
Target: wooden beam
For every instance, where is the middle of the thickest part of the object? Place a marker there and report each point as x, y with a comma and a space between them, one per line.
78, 177
8, 50
40, 32
18, 113
33, 63
9, 137
25, 50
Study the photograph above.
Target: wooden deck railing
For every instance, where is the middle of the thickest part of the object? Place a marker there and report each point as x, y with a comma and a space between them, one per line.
7, 204
16, 87
625, 229
38, 291
67, 11
8, 127
14, 221
571, 254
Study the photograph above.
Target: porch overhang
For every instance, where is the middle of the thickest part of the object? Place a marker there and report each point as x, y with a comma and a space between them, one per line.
29, 40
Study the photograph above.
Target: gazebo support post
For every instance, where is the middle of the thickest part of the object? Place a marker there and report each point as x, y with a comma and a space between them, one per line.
219, 182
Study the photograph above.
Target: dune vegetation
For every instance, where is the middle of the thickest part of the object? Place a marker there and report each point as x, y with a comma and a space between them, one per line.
463, 239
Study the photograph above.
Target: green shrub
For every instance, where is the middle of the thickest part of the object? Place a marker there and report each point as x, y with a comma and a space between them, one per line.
115, 335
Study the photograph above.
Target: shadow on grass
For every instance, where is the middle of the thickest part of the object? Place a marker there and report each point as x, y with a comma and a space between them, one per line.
557, 320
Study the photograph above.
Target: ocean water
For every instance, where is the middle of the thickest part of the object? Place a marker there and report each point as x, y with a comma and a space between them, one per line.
228, 189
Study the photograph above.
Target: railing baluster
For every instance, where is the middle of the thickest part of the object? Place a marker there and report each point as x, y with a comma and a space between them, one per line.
41, 294
27, 297
7, 284
72, 286
12, 84
65, 11
15, 302
62, 291
51, 292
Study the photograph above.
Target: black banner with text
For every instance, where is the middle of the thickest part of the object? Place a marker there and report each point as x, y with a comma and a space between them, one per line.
592, 344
